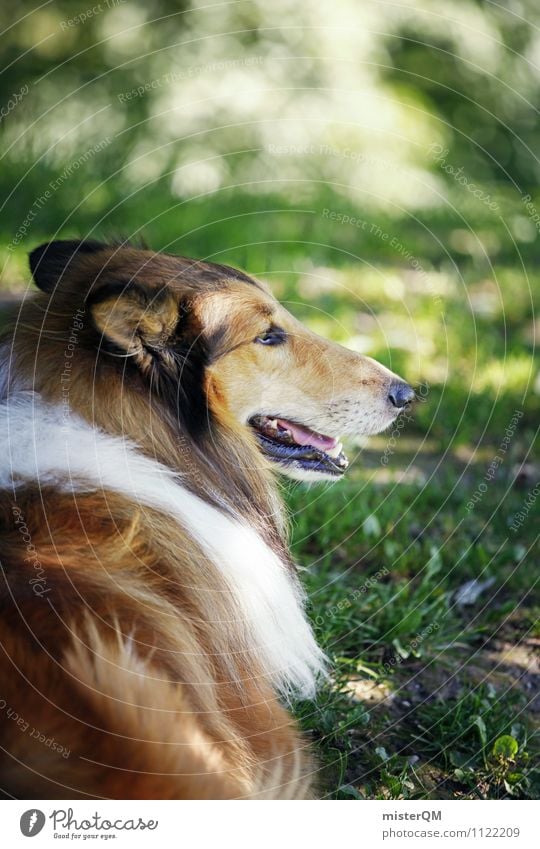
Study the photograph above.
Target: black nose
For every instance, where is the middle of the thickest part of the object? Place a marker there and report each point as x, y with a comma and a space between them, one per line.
400, 394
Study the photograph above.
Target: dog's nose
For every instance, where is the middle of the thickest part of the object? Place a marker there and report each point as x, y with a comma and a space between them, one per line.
400, 394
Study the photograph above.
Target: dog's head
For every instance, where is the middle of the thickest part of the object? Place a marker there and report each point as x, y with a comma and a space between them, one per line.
213, 344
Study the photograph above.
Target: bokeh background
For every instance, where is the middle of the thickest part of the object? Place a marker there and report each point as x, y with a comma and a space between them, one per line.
377, 163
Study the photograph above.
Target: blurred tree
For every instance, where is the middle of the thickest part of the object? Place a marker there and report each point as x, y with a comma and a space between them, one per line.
131, 105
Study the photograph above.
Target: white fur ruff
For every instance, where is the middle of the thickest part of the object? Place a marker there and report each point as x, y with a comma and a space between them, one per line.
41, 444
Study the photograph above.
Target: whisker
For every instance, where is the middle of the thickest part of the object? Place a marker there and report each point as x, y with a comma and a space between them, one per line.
119, 356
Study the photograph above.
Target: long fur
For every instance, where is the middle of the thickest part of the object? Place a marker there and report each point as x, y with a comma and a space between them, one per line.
68, 453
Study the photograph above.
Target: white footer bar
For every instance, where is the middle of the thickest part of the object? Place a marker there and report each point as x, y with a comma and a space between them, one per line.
279, 825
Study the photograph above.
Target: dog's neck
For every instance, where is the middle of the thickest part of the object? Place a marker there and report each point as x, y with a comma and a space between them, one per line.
265, 603
222, 465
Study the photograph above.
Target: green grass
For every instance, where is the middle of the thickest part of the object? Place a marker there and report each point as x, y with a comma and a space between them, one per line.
423, 687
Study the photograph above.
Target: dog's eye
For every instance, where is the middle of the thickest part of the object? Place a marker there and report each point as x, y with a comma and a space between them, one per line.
272, 336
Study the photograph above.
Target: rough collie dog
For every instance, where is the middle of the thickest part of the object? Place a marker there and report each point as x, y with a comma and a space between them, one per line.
152, 624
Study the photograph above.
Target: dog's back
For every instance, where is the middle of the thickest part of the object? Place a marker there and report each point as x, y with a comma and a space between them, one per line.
113, 682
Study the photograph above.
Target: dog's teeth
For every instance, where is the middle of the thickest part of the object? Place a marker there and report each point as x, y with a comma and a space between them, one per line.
336, 451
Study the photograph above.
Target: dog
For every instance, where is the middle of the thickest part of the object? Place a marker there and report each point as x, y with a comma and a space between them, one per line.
152, 622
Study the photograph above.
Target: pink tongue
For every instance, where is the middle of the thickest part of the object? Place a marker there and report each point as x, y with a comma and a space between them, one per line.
304, 436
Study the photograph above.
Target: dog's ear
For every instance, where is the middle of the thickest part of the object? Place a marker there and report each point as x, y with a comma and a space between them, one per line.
51, 261
139, 321
152, 329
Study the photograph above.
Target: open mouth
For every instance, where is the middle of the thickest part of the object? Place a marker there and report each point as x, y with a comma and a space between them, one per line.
290, 443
